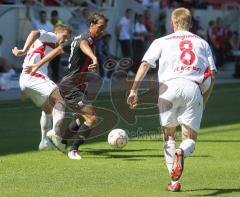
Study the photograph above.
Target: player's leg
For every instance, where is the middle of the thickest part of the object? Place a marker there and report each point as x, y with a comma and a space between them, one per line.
58, 114
186, 148
189, 137
189, 117
168, 108
84, 130
169, 146
46, 125
73, 127
38, 88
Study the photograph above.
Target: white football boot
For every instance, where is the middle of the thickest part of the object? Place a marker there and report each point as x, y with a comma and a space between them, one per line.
73, 154
46, 144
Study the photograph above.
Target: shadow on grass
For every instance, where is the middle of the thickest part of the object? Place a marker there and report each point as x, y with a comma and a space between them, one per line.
123, 153
128, 154
215, 191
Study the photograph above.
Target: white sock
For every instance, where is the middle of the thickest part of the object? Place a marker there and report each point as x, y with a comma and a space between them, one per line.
58, 117
188, 146
169, 153
46, 124
173, 182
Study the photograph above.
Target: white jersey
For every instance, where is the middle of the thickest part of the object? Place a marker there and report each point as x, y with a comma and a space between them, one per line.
42, 46
181, 55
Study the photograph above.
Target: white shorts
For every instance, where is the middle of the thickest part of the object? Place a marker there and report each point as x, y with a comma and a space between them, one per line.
180, 102
37, 87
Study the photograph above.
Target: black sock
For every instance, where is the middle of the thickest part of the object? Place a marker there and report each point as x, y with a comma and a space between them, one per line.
71, 130
83, 132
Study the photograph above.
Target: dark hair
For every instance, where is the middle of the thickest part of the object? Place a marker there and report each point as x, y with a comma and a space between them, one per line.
1, 37
95, 17
54, 13
128, 10
107, 35
42, 12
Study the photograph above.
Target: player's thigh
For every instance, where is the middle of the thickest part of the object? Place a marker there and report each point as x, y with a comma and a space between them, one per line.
46, 107
190, 113
55, 97
38, 88
168, 105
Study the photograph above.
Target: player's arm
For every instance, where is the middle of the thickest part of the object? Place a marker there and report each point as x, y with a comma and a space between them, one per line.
86, 49
32, 37
213, 69
149, 59
207, 94
142, 71
34, 67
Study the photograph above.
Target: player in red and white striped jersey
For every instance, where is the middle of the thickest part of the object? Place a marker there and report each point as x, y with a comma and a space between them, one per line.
185, 60
38, 85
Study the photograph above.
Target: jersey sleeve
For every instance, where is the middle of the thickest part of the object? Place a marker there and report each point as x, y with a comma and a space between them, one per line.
210, 58
153, 53
47, 36
66, 46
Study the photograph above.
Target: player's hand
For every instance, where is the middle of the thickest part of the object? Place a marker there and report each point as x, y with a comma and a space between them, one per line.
93, 67
132, 99
18, 52
31, 69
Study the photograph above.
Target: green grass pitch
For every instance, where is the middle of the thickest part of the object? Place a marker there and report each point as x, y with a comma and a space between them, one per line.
137, 170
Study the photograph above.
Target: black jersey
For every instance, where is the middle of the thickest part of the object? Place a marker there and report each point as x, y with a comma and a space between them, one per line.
72, 87
78, 61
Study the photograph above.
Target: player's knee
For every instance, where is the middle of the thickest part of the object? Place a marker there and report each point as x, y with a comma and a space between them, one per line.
91, 120
55, 97
188, 146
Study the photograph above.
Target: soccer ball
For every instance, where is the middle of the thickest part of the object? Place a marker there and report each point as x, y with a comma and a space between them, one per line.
117, 138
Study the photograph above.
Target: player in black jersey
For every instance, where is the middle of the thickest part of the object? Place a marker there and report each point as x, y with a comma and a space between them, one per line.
72, 87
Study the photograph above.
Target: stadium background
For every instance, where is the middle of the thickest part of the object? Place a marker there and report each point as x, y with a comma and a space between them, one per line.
137, 170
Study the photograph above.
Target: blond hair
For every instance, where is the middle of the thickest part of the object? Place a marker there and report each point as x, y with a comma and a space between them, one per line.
61, 28
182, 18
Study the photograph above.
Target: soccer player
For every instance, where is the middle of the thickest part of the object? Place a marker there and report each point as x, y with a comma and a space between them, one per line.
73, 85
185, 60
37, 85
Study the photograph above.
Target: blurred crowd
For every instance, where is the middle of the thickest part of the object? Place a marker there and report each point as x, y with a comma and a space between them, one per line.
197, 4
135, 31
165, 4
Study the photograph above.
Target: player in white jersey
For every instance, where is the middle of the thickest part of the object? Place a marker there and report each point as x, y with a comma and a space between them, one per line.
185, 60
38, 86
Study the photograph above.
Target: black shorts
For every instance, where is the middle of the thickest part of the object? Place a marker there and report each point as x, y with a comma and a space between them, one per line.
73, 92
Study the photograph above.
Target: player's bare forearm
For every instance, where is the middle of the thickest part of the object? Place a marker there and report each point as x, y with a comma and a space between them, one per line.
207, 94
55, 52
142, 71
32, 37
86, 49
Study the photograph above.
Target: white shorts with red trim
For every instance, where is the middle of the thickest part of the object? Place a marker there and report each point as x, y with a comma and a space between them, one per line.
37, 86
180, 102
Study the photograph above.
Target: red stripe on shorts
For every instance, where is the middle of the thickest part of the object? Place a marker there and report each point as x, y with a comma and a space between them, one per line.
38, 75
